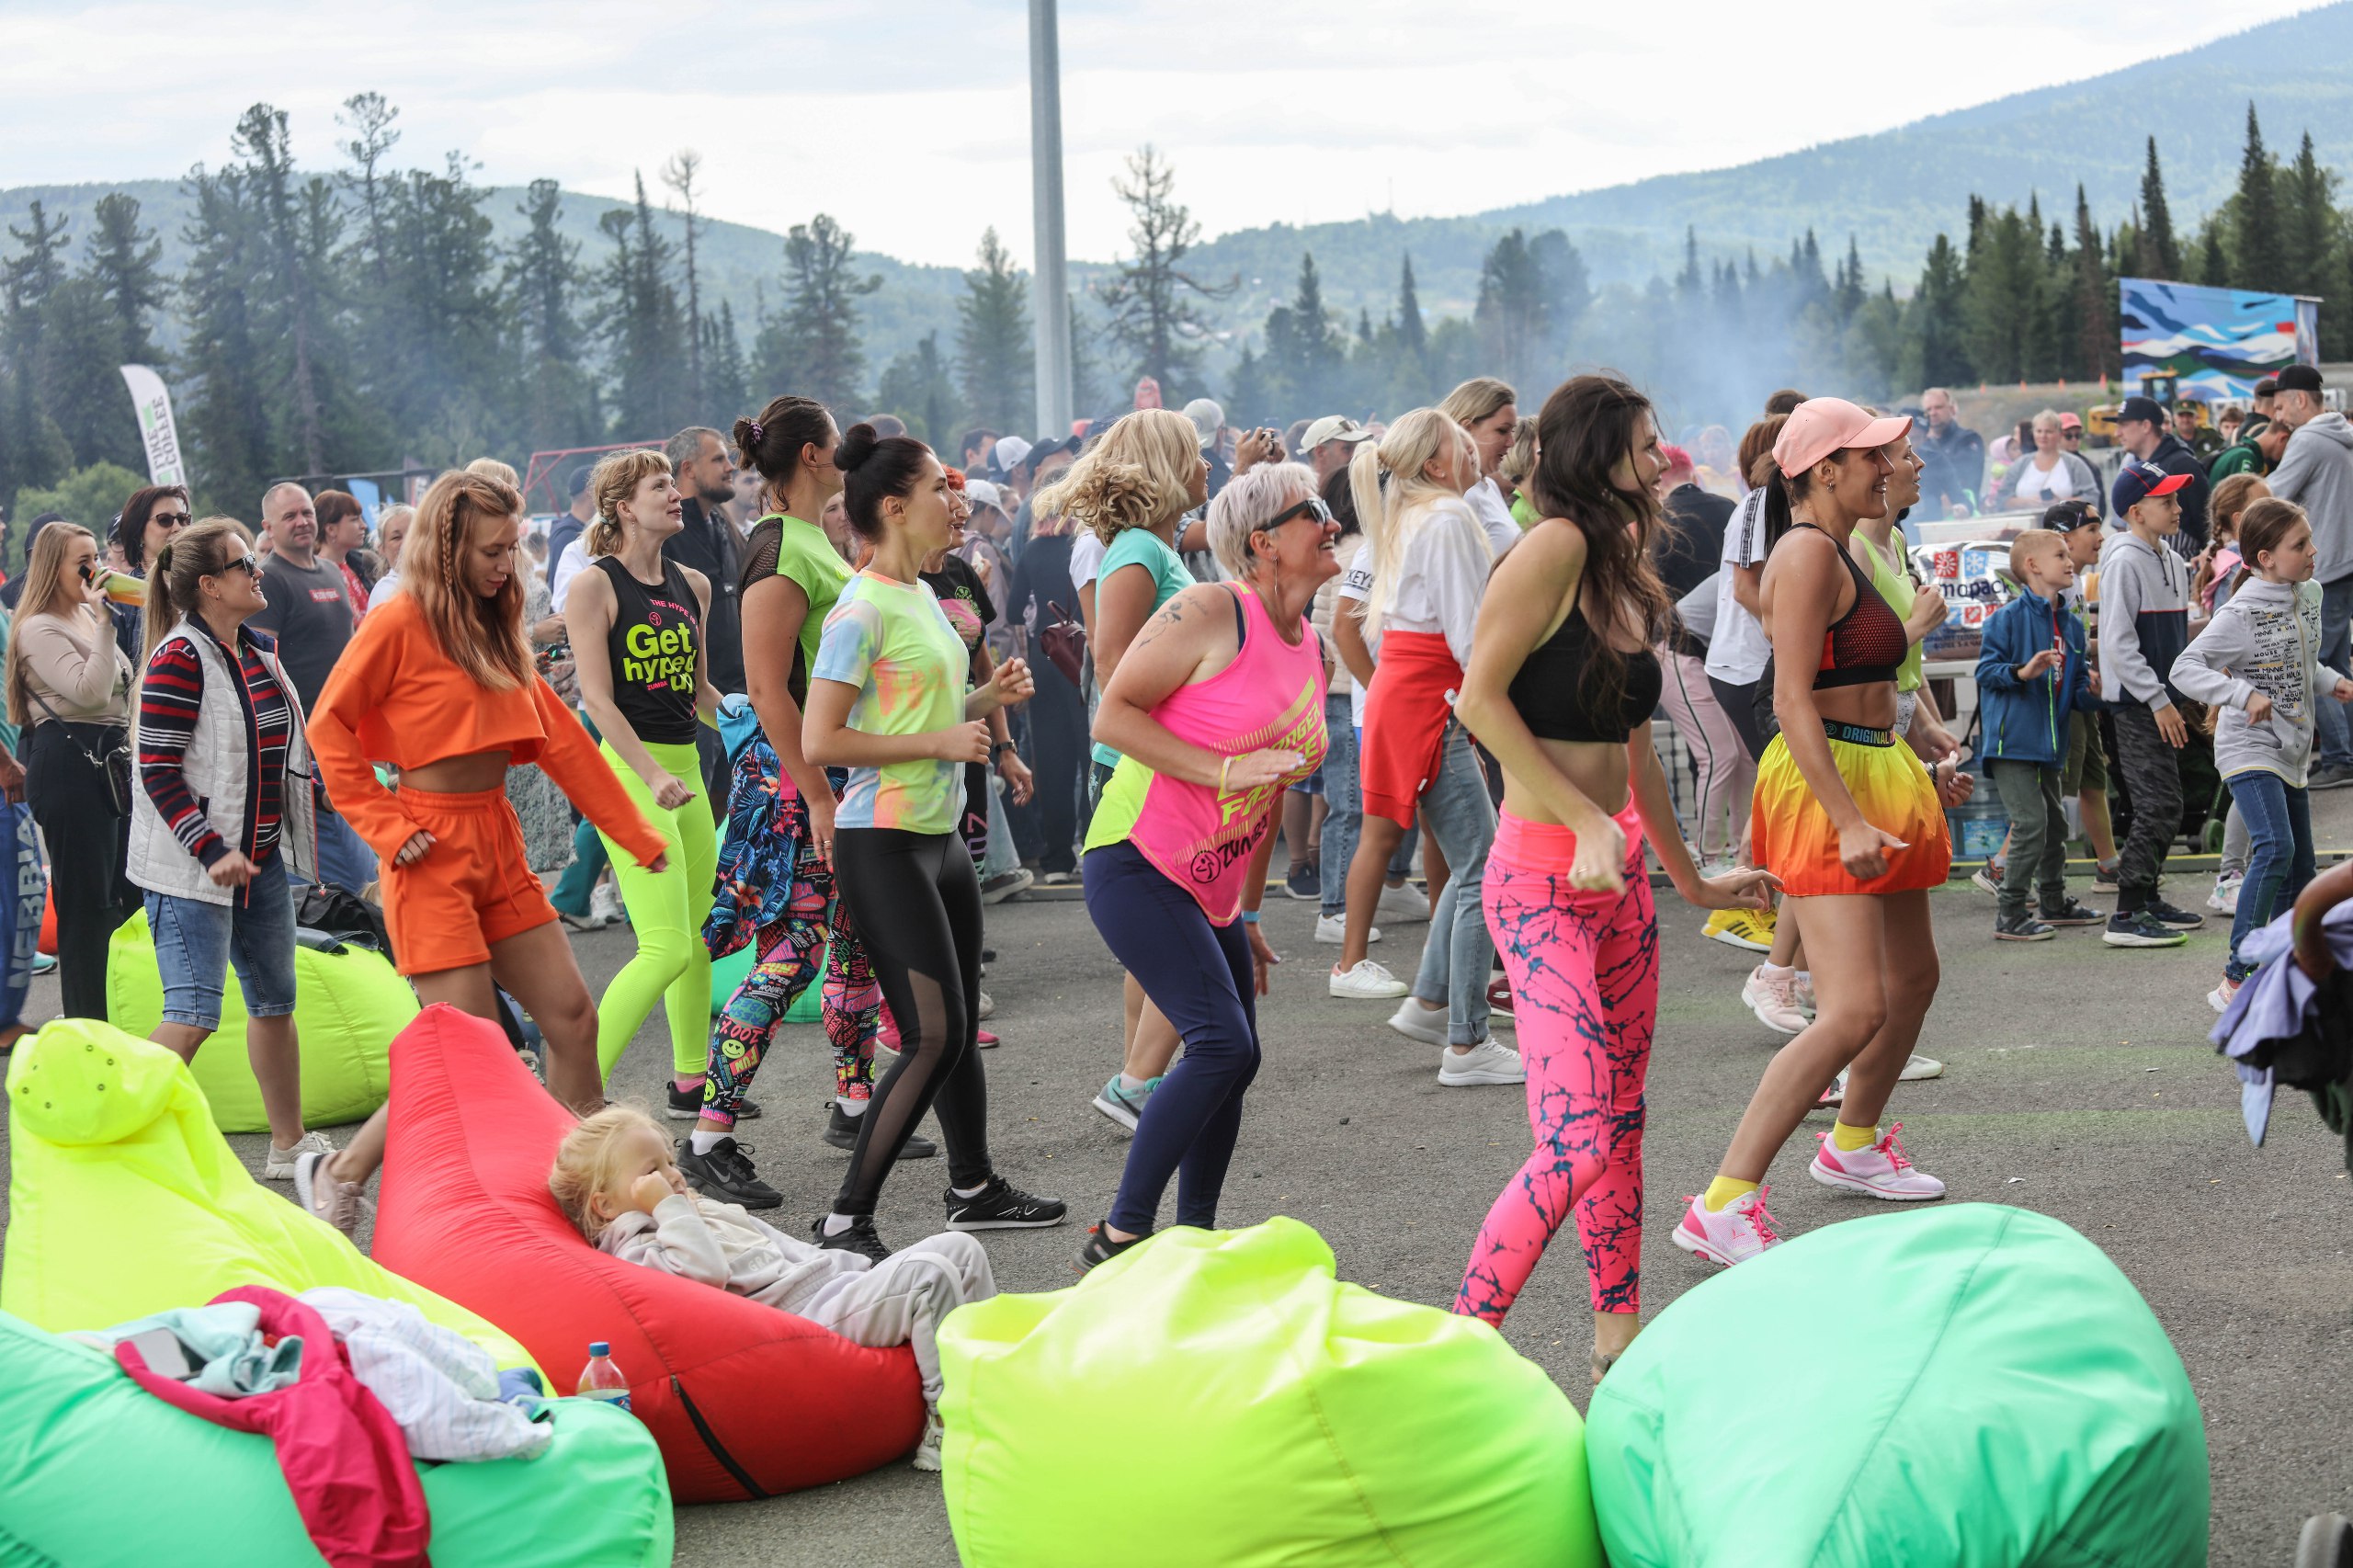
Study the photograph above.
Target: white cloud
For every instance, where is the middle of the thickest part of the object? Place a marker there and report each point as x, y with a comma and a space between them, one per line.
909, 121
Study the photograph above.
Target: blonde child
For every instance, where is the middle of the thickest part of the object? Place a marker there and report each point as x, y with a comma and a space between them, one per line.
2258, 662
615, 1178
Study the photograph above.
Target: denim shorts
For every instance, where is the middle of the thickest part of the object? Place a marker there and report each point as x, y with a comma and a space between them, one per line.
196, 942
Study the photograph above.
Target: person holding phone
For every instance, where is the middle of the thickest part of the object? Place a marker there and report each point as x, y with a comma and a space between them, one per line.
69, 685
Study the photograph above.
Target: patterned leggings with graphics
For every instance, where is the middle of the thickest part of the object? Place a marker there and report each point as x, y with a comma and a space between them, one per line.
1583, 969
812, 929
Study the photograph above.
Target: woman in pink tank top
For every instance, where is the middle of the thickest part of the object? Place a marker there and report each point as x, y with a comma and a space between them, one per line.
1216, 710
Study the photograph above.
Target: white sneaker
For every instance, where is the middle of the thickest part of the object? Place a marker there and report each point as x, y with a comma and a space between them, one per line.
1881, 1170
2225, 896
1416, 1022
1987, 879
1920, 1067
1734, 1233
604, 905
984, 1007
928, 1448
280, 1166
1403, 906
1489, 1061
1774, 999
1331, 930
1366, 983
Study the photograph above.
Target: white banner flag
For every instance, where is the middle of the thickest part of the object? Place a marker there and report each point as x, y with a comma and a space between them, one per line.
156, 428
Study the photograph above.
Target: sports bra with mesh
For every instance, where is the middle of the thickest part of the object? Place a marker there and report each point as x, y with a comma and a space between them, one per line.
1865, 645
1555, 693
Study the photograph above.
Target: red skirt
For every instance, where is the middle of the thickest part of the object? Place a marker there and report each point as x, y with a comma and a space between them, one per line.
1406, 711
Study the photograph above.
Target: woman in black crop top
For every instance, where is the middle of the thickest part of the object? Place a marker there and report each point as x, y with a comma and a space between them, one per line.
636, 625
1561, 687
1850, 824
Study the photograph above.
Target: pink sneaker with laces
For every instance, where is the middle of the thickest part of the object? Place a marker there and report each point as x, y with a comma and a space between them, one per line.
1881, 1170
1737, 1231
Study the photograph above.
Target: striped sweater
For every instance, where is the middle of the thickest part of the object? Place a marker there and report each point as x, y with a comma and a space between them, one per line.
169, 700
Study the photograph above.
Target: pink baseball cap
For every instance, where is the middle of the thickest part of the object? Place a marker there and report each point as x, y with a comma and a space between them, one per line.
1821, 426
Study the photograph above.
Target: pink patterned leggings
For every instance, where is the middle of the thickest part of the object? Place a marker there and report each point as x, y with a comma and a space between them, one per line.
1583, 969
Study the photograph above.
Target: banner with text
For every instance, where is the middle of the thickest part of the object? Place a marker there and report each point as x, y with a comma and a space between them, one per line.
157, 431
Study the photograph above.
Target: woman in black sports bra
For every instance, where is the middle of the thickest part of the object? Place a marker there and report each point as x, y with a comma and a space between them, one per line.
1849, 821
1560, 687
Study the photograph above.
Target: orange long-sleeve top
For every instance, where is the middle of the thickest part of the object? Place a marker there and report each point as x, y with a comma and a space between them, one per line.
396, 698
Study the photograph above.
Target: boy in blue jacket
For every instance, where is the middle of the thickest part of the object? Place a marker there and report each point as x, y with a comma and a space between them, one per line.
2032, 677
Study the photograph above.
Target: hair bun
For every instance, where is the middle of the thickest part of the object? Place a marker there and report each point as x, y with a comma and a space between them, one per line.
747, 437
858, 443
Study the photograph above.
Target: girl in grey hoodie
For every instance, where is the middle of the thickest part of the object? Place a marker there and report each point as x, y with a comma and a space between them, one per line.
2258, 665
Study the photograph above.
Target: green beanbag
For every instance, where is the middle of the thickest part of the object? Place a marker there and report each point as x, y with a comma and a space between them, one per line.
1975, 1385
347, 1007
124, 1199
1218, 1397
727, 973
97, 1471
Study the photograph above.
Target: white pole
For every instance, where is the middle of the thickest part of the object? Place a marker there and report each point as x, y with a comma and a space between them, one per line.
1050, 296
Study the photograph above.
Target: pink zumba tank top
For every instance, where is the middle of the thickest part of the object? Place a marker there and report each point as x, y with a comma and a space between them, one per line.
1270, 696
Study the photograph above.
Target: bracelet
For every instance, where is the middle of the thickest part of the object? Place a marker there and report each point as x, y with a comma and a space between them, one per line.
1223, 763
1249, 917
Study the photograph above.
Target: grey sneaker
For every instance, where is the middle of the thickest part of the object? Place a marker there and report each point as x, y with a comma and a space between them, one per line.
2330, 775
280, 1166
1123, 1106
1489, 1061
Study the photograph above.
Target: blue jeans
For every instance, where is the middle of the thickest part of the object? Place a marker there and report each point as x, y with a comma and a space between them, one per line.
344, 860
196, 942
1343, 807
2335, 642
2280, 826
1458, 951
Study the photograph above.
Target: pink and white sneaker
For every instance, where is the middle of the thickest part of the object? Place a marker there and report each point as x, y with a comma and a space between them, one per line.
1737, 1231
1879, 1171
1774, 999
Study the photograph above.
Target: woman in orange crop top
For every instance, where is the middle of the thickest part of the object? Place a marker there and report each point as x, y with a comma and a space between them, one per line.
439, 683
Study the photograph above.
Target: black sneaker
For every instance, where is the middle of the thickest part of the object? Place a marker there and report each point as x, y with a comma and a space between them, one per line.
2166, 914
859, 1238
841, 1131
2072, 913
2140, 929
1304, 881
2021, 928
727, 1174
1100, 1248
686, 1105
1001, 1206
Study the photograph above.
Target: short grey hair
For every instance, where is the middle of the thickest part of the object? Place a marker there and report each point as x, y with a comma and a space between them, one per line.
686, 446
271, 492
1248, 503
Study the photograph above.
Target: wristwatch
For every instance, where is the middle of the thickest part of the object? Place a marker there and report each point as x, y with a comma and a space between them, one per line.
997, 746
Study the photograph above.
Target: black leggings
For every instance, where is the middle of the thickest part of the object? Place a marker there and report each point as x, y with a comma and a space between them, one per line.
916, 904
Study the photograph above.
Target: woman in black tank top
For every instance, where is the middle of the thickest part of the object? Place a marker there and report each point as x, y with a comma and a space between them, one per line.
1561, 687
636, 626
1850, 824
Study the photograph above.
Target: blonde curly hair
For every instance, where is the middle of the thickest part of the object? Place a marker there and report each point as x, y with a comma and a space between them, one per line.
1141, 472
585, 1161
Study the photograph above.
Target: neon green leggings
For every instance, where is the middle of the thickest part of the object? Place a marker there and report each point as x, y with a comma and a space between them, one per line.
667, 911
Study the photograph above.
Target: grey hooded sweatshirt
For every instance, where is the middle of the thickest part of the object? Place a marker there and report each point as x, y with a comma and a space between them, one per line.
2266, 639
2316, 473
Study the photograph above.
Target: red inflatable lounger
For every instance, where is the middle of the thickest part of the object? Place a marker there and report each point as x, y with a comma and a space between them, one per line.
745, 1401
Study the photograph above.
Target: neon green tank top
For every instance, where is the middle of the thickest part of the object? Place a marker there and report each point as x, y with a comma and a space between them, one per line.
1895, 586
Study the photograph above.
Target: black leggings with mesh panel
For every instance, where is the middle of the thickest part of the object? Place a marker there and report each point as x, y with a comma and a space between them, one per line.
916, 904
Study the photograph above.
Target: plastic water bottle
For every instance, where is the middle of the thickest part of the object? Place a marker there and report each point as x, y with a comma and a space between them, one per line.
600, 1379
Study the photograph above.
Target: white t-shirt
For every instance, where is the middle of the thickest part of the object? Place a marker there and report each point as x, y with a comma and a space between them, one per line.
567, 566
1086, 552
1737, 652
2050, 488
1358, 585
386, 586
1442, 575
1493, 513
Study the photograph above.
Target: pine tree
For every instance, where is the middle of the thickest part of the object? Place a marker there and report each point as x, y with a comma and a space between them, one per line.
2213, 267
2001, 292
2160, 257
2097, 349
1086, 389
1510, 314
288, 219
541, 284
1568, 291
369, 117
2310, 222
1850, 288
224, 414
2261, 259
1305, 352
729, 393
1412, 335
1247, 400
813, 346
679, 174
124, 261
1687, 282
1150, 302
919, 387
33, 451
997, 362
638, 319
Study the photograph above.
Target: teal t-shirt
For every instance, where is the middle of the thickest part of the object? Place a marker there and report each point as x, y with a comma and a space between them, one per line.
892, 640
1140, 547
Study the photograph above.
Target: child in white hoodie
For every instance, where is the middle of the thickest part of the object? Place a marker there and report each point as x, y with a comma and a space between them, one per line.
616, 1179
2258, 665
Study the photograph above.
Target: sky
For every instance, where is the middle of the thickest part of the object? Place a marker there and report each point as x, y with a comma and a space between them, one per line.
908, 120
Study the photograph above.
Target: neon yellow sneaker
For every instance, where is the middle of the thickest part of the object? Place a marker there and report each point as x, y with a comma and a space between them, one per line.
1748, 929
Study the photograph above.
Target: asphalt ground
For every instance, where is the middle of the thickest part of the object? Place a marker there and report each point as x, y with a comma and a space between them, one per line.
2078, 1083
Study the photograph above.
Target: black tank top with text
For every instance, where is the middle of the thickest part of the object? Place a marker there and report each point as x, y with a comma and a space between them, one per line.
652, 649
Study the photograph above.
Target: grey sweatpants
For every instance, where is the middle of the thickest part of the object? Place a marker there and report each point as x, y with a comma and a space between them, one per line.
903, 1299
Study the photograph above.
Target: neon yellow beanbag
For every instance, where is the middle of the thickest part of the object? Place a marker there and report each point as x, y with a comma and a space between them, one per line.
1282, 1417
124, 1199
347, 1007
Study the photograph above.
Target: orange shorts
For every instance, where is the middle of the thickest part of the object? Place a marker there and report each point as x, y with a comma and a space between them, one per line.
474, 888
